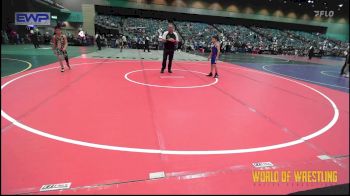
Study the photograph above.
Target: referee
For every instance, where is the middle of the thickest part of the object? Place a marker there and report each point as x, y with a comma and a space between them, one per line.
170, 38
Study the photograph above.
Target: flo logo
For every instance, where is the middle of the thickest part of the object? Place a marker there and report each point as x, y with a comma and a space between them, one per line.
324, 13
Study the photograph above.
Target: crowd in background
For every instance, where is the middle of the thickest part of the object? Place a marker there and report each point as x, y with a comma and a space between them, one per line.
194, 36
136, 30
32, 35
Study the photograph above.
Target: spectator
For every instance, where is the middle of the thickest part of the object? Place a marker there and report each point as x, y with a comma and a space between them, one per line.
98, 40
146, 45
345, 69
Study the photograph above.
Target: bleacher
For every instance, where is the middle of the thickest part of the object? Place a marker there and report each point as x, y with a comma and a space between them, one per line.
234, 38
139, 28
196, 35
243, 39
108, 21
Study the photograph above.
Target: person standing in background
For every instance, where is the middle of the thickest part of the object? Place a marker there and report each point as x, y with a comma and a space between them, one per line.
123, 42
98, 40
146, 44
311, 52
34, 37
345, 69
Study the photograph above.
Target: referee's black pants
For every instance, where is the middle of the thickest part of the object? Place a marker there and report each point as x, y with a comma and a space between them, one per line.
167, 53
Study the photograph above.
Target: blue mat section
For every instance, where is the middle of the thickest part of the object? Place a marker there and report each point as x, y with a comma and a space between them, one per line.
342, 59
319, 74
327, 76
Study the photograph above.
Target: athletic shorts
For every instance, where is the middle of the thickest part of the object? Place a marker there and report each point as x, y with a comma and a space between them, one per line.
213, 60
61, 52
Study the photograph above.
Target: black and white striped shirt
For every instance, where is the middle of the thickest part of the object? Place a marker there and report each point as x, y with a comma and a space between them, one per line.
170, 45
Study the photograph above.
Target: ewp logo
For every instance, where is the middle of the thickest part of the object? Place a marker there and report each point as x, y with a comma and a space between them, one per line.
32, 18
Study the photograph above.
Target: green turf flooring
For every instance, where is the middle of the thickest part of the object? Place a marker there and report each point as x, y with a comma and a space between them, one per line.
37, 57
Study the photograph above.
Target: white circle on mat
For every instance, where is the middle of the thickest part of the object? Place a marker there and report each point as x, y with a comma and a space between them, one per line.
126, 76
177, 152
326, 73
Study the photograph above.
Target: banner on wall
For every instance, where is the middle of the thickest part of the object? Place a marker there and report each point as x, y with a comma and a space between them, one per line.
32, 18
